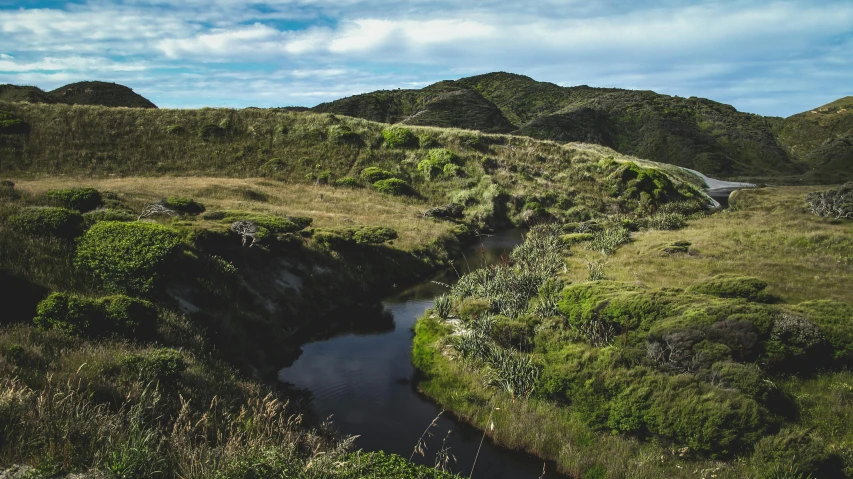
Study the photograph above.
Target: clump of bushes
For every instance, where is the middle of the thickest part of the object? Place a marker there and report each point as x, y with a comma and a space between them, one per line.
163, 365
399, 137
106, 214
47, 221
119, 314
733, 286
10, 123
796, 452
438, 161
347, 182
665, 221
7, 190
80, 199
607, 241
343, 238
343, 134
394, 187
182, 205
127, 257
274, 224
372, 174
836, 204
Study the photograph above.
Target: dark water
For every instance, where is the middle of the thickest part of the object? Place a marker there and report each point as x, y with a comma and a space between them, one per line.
366, 382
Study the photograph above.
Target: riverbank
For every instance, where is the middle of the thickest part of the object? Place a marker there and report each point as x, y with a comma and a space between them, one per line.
673, 370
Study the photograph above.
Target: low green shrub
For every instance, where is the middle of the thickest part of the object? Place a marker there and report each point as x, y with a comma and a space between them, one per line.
274, 224
607, 241
118, 314
80, 199
372, 174
797, 451
665, 221
733, 286
394, 186
127, 257
344, 238
209, 132
11, 124
47, 221
348, 182
836, 203
7, 190
574, 238
374, 235
106, 214
833, 318
343, 134
182, 205
163, 365
399, 137
273, 166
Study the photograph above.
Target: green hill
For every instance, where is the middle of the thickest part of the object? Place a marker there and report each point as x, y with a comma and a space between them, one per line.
694, 132
101, 93
31, 94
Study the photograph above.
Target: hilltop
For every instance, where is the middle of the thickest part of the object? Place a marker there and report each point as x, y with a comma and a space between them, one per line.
698, 133
80, 93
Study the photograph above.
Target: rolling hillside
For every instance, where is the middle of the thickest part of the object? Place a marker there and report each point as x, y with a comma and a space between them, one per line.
811, 147
80, 93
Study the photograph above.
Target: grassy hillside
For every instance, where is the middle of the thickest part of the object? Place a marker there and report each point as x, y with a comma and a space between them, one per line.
31, 94
717, 347
692, 132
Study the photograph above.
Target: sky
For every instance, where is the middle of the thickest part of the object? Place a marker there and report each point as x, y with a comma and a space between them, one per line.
767, 57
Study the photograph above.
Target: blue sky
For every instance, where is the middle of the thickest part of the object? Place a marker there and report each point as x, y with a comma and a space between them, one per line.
766, 57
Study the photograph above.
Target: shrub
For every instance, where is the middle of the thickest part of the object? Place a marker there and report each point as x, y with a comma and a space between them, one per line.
127, 257
80, 199
798, 451
665, 221
442, 305
324, 177
106, 214
372, 174
837, 203
164, 365
47, 221
394, 186
7, 190
733, 286
272, 166
347, 182
331, 240
10, 123
208, 132
399, 137
374, 235
119, 314
183, 205
343, 134
833, 318
438, 161
608, 240
573, 238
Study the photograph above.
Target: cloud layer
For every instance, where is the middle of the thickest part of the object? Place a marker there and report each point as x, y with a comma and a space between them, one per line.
774, 58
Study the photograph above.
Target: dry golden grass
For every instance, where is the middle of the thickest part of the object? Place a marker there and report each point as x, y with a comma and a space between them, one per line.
767, 234
330, 207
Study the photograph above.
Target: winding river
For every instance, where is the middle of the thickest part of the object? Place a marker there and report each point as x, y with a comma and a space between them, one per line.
366, 382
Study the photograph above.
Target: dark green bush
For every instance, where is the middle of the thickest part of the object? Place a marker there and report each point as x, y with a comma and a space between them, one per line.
343, 134
119, 314
324, 178
834, 320
394, 186
399, 137
164, 365
95, 216
332, 240
301, 222
208, 132
47, 221
665, 221
374, 235
348, 182
372, 174
438, 161
10, 123
80, 199
127, 257
182, 205
797, 451
733, 286
215, 215
7, 190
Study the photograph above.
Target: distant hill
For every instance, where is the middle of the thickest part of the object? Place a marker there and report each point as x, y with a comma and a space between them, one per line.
693, 132
31, 94
101, 93
81, 93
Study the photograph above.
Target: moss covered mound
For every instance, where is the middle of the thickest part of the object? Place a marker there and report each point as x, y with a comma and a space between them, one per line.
101, 93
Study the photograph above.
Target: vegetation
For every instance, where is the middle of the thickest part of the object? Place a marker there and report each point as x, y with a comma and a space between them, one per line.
81, 93
718, 378
836, 204
80, 199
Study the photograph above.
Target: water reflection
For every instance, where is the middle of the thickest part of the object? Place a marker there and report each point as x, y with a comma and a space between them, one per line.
364, 379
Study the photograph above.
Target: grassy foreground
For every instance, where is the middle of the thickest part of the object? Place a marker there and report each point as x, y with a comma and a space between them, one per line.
721, 349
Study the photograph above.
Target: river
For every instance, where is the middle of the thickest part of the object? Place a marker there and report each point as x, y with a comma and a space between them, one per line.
366, 382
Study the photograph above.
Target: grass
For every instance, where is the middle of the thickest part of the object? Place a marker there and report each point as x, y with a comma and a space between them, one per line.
618, 394
767, 232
